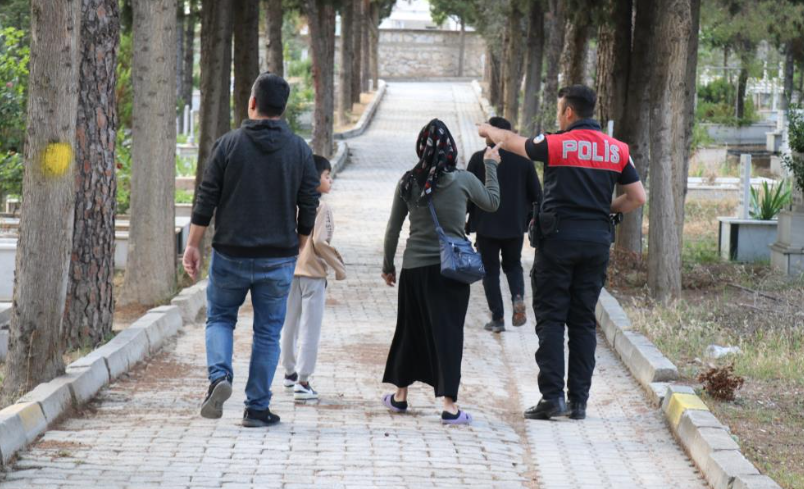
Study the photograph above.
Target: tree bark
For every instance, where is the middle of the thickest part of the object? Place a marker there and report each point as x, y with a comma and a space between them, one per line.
513, 65
668, 125
275, 55
357, 49
742, 83
636, 119
151, 263
533, 70
576, 42
346, 64
556, 22
461, 48
48, 202
321, 19
496, 80
216, 62
613, 58
789, 72
181, 18
685, 143
246, 54
365, 73
374, 33
189, 55
89, 310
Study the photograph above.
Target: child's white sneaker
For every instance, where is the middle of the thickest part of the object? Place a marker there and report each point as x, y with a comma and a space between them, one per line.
290, 380
304, 392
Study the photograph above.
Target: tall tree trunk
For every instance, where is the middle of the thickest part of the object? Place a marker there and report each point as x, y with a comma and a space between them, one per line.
374, 33
346, 73
533, 70
357, 49
151, 262
635, 126
513, 65
461, 48
48, 199
321, 19
742, 83
365, 73
613, 58
246, 54
789, 72
685, 144
189, 55
668, 126
273, 44
216, 62
181, 18
89, 311
576, 43
496, 79
556, 21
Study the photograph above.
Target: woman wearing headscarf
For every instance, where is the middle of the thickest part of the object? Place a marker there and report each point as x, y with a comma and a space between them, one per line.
428, 342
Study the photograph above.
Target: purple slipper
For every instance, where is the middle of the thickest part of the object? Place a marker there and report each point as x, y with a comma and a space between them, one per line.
462, 418
386, 400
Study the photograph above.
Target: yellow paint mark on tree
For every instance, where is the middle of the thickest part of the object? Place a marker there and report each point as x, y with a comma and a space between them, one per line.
56, 159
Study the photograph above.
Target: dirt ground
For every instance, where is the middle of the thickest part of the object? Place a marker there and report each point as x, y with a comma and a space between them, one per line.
729, 304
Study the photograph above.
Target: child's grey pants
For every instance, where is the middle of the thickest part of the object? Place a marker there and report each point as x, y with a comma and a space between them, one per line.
303, 326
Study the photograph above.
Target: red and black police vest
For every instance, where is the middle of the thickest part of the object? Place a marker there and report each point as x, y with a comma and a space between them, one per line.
586, 148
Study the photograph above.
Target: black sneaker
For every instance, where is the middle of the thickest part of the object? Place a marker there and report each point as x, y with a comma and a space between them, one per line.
290, 380
577, 410
253, 418
219, 391
547, 408
497, 326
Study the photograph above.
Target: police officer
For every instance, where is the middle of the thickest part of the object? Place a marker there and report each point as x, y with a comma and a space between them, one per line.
574, 233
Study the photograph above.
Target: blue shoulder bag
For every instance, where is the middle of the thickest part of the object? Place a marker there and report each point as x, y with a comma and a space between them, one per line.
459, 261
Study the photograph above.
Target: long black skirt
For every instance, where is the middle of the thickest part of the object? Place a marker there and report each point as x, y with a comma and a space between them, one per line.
428, 342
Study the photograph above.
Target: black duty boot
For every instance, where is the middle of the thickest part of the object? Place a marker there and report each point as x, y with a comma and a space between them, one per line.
253, 418
547, 408
219, 391
495, 325
577, 410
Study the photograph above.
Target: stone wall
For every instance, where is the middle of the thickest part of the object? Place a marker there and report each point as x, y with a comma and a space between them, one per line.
429, 54
426, 54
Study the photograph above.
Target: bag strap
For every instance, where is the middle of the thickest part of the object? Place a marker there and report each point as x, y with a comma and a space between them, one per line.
438, 227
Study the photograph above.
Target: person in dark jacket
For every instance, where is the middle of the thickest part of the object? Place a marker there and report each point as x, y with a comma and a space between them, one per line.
260, 183
502, 232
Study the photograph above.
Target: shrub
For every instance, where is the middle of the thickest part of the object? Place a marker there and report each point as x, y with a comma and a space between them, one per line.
716, 105
14, 56
11, 172
767, 204
721, 382
795, 163
123, 156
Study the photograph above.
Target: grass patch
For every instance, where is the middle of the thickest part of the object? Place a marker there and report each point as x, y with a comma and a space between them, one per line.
731, 304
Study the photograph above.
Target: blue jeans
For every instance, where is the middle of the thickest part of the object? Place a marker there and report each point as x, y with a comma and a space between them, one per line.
230, 279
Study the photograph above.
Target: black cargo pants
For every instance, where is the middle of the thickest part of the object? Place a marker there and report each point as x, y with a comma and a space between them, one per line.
567, 277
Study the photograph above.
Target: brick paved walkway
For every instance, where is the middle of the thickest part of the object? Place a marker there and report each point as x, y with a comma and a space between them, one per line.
144, 431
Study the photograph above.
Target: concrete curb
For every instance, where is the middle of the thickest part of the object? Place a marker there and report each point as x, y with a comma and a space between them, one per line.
368, 115
191, 301
487, 108
340, 158
706, 440
22, 422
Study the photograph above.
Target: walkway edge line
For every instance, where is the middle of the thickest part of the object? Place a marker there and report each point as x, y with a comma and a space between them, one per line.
707, 441
22, 422
340, 158
368, 115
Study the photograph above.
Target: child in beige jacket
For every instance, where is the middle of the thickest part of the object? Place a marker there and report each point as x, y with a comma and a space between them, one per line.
308, 294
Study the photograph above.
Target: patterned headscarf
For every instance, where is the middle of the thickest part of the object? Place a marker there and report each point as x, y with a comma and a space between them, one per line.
438, 154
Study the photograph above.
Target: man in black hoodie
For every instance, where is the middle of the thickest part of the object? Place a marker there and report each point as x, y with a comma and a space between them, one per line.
502, 232
260, 183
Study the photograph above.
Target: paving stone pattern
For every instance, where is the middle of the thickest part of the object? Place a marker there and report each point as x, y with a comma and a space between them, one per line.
144, 430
